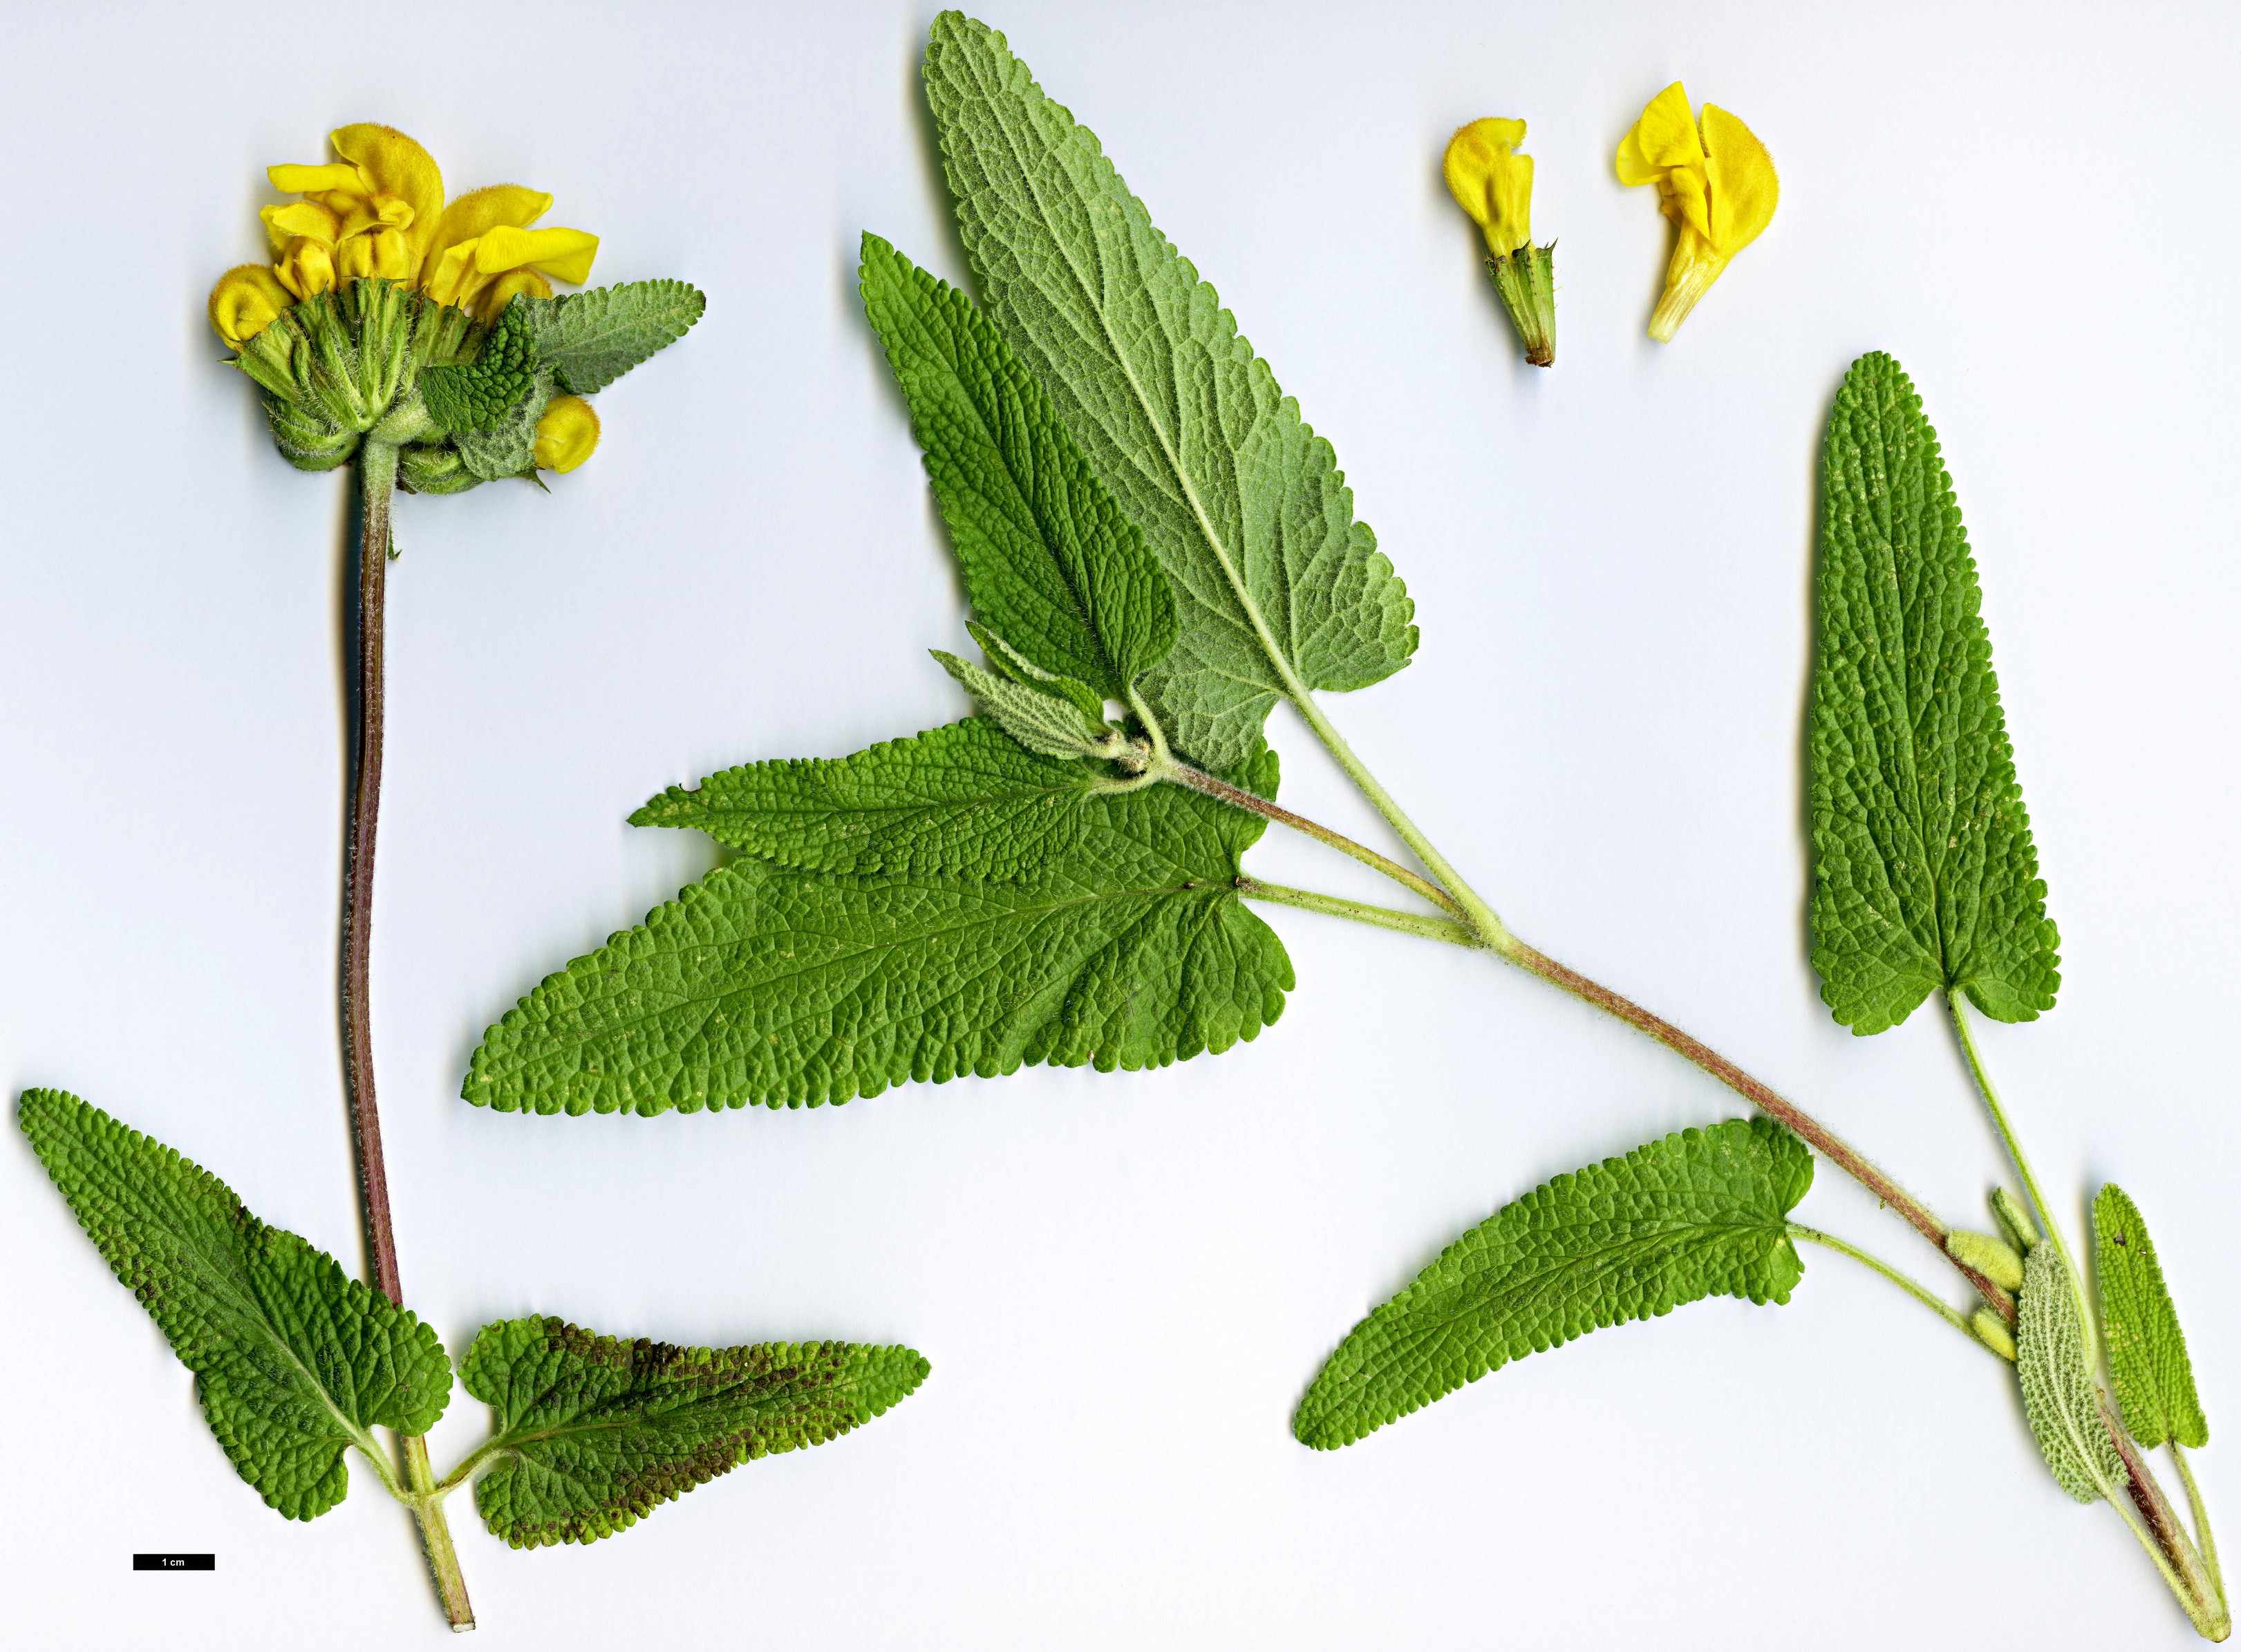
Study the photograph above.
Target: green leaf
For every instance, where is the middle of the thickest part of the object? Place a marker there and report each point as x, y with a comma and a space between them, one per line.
594, 1432
509, 447
963, 799
1278, 588
293, 1358
765, 985
2060, 1400
1702, 1212
1047, 557
1048, 721
1924, 878
590, 339
477, 395
1014, 667
2147, 1351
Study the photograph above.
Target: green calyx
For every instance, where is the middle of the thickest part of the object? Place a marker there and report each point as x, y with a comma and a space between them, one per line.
459, 399
1526, 280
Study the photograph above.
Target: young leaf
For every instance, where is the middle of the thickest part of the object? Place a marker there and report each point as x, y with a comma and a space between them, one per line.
2060, 1400
763, 984
508, 448
1924, 878
1702, 1212
587, 340
1010, 664
964, 799
1278, 588
1048, 721
2147, 1351
475, 395
594, 1432
1047, 557
293, 1358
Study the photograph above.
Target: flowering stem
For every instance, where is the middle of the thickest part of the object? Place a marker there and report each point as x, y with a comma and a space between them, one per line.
377, 477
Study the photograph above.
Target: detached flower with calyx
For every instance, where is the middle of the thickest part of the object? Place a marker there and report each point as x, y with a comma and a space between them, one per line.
423, 343
1494, 183
1716, 182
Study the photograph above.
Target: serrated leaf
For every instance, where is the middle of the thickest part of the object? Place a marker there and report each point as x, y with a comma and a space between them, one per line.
963, 799
1701, 1213
1046, 555
1241, 502
1007, 661
593, 1432
477, 395
765, 985
587, 340
2060, 1400
2154, 1378
509, 447
1048, 721
294, 1360
1924, 878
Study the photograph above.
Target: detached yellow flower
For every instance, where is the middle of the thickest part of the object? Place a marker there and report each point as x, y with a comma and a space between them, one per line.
567, 433
1716, 183
1493, 183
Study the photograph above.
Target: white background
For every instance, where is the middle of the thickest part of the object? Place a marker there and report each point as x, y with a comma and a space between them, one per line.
1124, 1282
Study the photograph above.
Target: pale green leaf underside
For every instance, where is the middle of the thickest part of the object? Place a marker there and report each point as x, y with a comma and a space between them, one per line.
2059, 1398
294, 1360
965, 800
588, 340
1048, 721
595, 1432
2147, 1350
1702, 1212
764, 984
1924, 878
1047, 557
1242, 502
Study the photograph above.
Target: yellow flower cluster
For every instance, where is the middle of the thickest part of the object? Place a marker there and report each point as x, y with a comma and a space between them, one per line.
1716, 183
379, 210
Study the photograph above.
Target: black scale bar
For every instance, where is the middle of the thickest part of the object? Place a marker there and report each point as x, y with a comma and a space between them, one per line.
174, 1563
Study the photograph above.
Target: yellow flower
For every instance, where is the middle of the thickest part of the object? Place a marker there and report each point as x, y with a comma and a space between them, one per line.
1492, 182
567, 433
1717, 186
247, 299
484, 251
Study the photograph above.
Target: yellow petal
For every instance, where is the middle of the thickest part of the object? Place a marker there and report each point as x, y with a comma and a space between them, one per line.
1696, 265
479, 211
1490, 182
1743, 186
1664, 138
316, 180
307, 268
1510, 192
500, 292
449, 276
301, 217
567, 433
376, 252
565, 253
397, 166
246, 301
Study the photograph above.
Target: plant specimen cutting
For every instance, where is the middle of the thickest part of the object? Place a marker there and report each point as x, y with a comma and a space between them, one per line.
1714, 180
1494, 183
423, 344
1157, 548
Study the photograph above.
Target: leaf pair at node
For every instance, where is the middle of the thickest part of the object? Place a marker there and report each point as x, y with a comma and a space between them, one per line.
296, 1363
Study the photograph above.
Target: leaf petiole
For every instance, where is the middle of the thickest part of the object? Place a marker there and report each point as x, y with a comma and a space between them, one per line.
1920, 1292
1361, 912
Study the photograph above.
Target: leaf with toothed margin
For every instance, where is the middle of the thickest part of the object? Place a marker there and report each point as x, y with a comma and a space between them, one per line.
1702, 1212
587, 340
1244, 504
593, 1433
294, 1360
765, 984
2148, 1359
1925, 876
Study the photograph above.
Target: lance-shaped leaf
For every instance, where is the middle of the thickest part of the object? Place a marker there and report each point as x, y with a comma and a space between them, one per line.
587, 340
1047, 557
2147, 1351
1924, 878
1049, 717
294, 1360
2060, 1400
766, 985
1279, 590
593, 1432
475, 395
1702, 1212
960, 799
